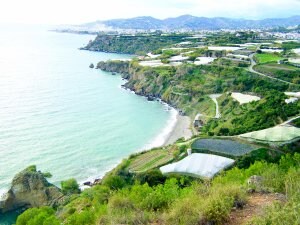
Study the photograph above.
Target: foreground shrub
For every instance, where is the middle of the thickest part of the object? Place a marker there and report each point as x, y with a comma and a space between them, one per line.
38, 216
279, 214
70, 187
114, 182
186, 211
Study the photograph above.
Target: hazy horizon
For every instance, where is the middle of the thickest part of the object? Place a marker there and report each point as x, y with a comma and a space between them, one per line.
57, 12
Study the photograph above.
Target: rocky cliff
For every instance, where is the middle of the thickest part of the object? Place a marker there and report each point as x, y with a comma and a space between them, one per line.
115, 66
30, 189
150, 82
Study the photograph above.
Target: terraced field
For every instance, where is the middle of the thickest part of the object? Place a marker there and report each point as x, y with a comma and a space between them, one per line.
150, 160
228, 147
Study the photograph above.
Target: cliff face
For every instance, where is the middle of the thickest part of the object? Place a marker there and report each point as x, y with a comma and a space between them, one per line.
115, 66
148, 82
30, 189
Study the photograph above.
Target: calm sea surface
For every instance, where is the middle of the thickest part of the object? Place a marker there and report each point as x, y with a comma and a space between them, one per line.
68, 119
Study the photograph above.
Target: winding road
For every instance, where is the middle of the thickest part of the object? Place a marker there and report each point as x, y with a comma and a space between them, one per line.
253, 63
214, 98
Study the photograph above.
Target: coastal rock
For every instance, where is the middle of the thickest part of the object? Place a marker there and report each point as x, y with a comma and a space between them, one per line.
255, 180
88, 183
30, 189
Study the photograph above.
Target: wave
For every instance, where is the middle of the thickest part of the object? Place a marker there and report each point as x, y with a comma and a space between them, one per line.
163, 136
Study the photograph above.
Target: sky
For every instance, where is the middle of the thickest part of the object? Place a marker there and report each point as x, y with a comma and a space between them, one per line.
81, 11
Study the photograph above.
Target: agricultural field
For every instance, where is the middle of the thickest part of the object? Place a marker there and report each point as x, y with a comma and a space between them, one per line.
151, 159
280, 133
282, 71
226, 147
267, 57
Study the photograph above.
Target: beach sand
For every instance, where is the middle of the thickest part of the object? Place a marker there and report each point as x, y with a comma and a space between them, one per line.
181, 129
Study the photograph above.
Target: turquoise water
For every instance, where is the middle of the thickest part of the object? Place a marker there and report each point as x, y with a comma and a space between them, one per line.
64, 117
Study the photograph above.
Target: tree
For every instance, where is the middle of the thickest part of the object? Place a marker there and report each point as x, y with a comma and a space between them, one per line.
114, 182
70, 186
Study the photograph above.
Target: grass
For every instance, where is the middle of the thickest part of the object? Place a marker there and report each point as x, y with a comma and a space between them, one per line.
267, 57
150, 160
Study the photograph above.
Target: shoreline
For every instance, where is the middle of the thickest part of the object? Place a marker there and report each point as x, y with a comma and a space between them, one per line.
178, 126
180, 130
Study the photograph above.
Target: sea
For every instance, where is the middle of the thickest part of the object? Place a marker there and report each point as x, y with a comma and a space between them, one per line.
64, 117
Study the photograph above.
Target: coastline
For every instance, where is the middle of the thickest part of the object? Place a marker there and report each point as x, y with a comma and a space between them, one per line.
180, 130
178, 126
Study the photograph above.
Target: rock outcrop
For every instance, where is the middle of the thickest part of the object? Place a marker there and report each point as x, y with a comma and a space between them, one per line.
115, 66
30, 189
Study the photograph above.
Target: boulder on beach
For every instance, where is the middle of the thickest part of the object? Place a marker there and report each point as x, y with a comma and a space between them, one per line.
30, 189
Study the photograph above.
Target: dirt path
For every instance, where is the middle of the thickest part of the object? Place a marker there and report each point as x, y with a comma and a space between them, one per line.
214, 98
256, 203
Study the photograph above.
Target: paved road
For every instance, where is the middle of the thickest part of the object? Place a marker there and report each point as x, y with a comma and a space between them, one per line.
253, 63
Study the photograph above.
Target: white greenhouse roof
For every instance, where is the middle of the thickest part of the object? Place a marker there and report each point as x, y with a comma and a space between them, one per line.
198, 165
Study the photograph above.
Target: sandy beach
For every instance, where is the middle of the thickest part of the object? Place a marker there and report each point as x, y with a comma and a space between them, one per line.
181, 129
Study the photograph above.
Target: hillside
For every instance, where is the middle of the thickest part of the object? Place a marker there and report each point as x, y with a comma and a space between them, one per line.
189, 22
187, 87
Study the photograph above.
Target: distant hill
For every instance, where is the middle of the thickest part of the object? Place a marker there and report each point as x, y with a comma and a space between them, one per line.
188, 22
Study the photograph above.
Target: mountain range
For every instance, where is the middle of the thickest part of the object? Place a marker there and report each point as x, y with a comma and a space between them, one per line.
188, 22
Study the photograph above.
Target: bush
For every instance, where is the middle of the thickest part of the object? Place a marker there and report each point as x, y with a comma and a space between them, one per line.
114, 182
38, 216
47, 174
187, 211
70, 187
31, 168
217, 209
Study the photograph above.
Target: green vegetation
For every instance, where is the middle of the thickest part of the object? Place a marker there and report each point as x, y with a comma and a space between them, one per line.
238, 119
138, 44
176, 200
31, 168
150, 159
70, 186
262, 154
47, 174
296, 122
267, 57
290, 45
38, 216
280, 71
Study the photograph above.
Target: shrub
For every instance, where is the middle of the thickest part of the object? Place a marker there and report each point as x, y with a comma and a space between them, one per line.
31, 168
187, 211
279, 214
38, 216
217, 208
47, 174
114, 182
70, 187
